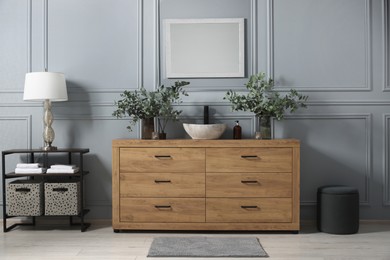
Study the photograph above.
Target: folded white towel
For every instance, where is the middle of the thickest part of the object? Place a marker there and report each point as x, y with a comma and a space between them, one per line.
59, 170
63, 166
28, 165
30, 170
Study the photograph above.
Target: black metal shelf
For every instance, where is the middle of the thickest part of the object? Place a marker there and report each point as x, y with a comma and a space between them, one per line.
59, 150
84, 211
18, 175
47, 177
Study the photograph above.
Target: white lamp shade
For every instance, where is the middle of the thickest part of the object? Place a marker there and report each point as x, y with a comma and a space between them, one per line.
45, 85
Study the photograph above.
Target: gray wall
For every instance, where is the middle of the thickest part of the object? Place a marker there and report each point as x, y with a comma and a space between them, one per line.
337, 52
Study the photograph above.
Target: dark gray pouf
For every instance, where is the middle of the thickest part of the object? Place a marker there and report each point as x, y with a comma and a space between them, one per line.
338, 209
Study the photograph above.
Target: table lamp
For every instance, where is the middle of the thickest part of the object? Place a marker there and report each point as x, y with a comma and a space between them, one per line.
46, 87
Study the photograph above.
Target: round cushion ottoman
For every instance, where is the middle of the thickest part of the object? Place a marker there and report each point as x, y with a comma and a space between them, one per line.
338, 209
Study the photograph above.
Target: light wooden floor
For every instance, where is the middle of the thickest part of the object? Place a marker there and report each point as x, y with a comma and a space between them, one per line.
99, 242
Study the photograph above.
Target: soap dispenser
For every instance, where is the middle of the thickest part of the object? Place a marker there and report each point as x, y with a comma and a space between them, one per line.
237, 131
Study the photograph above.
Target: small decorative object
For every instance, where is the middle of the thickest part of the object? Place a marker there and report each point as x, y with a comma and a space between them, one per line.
237, 131
264, 102
145, 106
47, 87
159, 136
155, 136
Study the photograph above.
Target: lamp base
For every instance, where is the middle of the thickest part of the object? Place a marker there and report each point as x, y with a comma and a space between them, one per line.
49, 148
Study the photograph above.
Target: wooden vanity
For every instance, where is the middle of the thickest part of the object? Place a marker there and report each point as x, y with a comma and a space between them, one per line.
205, 184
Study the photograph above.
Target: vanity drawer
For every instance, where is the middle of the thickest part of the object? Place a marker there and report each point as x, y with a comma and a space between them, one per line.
249, 160
249, 184
157, 210
184, 184
162, 160
248, 210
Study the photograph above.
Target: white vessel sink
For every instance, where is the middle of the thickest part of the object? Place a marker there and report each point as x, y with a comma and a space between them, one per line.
200, 131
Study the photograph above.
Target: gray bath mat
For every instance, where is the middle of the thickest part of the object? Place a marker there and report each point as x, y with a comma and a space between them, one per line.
206, 247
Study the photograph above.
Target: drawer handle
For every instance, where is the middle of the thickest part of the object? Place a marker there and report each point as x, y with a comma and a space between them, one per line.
249, 182
249, 207
162, 181
163, 207
22, 189
60, 189
250, 157
163, 157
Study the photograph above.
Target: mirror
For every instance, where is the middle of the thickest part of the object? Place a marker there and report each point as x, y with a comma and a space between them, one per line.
202, 48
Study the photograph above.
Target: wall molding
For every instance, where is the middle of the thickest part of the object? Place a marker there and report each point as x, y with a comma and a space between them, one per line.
22, 104
326, 103
253, 18
310, 103
29, 36
140, 61
28, 119
28, 46
65, 117
140, 54
270, 36
45, 35
349, 103
386, 162
196, 103
385, 33
252, 46
90, 117
157, 40
254, 38
368, 64
364, 198
140, 44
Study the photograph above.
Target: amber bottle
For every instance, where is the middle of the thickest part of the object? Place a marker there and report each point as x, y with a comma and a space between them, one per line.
237, 131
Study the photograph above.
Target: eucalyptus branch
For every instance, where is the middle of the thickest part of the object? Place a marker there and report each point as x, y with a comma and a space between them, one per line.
144, 104
263, 101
